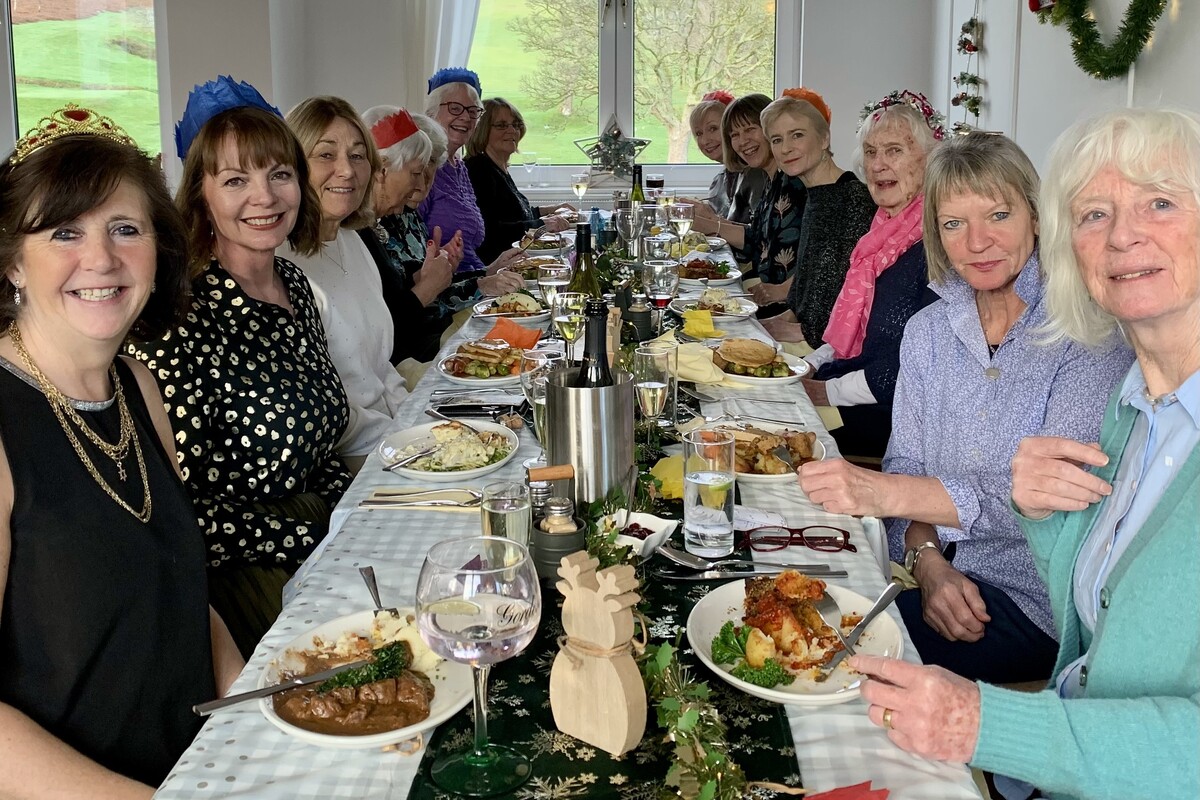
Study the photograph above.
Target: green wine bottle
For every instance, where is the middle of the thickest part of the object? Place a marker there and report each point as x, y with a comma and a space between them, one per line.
585, 278
637, 194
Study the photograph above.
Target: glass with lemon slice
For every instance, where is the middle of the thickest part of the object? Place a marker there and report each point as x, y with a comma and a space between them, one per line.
708, 488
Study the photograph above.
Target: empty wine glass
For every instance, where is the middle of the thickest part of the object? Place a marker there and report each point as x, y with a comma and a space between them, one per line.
579, 184
536, 367
657, 246
529, 162
568, 317
552, 279
629, 223
660, 280
479, 603
543, 164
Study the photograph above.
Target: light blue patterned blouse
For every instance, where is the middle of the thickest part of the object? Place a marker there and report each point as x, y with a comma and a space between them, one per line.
960, 412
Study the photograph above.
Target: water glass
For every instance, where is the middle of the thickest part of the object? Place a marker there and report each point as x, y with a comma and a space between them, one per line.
543, 165
507, 512
708, 487
478, 603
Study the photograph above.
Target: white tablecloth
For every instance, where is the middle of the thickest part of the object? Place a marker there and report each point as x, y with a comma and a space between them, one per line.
238, 753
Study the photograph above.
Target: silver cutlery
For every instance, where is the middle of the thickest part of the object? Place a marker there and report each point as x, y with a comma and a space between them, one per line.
733, 575
536, 235
691, 561
433, 412
739, 418
419, 503
381, 613
204, 709
831, 612
395, 465
783, 454
883, 601
708, 398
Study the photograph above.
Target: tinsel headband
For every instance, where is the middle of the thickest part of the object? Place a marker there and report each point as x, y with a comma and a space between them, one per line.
814, 99
720, 95
454, 75
70, 120
205, 102
393, 128
933, 118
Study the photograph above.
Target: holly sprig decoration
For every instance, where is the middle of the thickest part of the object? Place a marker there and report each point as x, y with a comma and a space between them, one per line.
1091, 54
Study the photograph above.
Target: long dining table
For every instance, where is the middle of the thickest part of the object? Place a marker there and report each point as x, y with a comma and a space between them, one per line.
239, 753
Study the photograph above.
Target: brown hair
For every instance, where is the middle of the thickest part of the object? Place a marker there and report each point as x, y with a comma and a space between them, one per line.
262, 140
745, 109
66, 179
479, 137
311, 118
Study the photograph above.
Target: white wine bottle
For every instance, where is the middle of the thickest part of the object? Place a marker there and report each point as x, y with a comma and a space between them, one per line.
637, 194
585, 279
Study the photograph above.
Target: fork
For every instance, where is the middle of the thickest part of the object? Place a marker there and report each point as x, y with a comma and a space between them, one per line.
708, 398
536, 235
829, 610
433, 412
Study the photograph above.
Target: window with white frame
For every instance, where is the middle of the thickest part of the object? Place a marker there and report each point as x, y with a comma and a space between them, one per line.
571, 65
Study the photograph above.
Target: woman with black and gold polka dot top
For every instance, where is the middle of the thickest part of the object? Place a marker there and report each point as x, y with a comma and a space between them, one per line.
255, 401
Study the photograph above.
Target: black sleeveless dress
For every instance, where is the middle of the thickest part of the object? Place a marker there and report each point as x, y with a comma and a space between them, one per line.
104, 636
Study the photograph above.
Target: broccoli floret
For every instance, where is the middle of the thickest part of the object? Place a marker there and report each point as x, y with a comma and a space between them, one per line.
770, 674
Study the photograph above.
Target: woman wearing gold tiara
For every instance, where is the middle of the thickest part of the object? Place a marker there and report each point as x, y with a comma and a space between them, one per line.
106, 637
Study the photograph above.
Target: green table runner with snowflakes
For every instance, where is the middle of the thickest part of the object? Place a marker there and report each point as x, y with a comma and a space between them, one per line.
563, 767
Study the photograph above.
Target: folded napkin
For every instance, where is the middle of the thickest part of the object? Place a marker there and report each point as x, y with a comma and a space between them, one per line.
859, 791
516, 335
699, 324
798, 349
831, 418
696, 364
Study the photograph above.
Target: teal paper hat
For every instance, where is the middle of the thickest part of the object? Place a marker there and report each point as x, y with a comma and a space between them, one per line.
205, 102
454, 75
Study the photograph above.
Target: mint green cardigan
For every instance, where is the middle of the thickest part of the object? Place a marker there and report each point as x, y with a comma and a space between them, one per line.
1135, 732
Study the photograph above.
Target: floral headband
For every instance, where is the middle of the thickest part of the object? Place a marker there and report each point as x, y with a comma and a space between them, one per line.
812, 98
719, 95
933, 118
205, 102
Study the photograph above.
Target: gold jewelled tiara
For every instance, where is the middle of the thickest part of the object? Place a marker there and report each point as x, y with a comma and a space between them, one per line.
70, 120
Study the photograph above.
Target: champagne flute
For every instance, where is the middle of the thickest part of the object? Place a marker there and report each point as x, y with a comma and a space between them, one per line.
569, 319
652, 380
529, 161
552, 279
681, 215
536, 367
579, 184
479, 603
660, 279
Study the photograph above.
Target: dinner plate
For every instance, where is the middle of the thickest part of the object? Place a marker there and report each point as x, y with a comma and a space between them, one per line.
800, 368
881, 638
545, 251
499, 380
716, 242
452, 682
733, 277
771, 427
389, 450
480, 311
681, 304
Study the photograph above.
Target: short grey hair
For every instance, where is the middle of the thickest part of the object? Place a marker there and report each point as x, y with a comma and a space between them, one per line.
438, 96
902, 113
986, 164
414, 148
438, 143
796, 107
1158, 148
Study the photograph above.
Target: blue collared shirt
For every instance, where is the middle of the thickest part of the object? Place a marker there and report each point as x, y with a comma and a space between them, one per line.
960, 411
1164, 435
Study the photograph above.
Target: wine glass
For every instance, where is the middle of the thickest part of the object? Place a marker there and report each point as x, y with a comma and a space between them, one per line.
665, 197
543, 164
552, 279
629, 224
529, 161
652, 379
681, 215
660, 279
568, 317
579, 184
653, 216
479, 603
536, 367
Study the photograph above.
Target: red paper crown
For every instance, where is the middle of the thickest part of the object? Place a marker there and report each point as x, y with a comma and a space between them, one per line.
393, 128
720, 95
812, 97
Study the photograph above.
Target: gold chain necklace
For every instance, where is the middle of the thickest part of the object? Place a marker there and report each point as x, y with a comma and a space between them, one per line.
64, 411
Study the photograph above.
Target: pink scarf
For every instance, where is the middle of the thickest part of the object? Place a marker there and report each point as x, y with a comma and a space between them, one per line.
883, 244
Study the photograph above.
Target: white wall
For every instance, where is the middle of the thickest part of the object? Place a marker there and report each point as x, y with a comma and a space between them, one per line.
1034, 90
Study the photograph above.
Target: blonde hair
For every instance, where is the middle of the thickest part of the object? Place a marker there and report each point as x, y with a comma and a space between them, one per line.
701, 110
1159, 148
985, 164
311, 118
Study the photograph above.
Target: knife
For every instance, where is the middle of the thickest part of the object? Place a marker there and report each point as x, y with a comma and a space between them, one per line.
733, 575
884, 600
204, 709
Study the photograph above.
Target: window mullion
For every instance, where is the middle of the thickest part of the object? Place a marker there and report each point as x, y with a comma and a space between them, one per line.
621, 75
8, 85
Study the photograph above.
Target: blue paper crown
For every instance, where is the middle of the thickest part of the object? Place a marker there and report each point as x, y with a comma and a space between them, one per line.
205, 102
454, 75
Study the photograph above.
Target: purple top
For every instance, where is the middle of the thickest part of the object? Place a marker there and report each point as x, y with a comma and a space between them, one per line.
959, 414
451, 205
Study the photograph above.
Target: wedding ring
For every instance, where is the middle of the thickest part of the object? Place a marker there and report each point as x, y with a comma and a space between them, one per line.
887, 718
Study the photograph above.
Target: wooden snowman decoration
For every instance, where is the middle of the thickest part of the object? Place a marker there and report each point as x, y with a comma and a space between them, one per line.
596, 689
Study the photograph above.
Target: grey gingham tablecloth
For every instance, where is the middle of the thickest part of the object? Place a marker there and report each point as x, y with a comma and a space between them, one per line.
238, 753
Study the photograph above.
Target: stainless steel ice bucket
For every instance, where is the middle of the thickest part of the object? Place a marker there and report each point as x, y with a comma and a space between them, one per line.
592, 430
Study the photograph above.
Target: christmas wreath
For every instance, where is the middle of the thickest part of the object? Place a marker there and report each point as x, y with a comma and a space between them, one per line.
1092, 56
